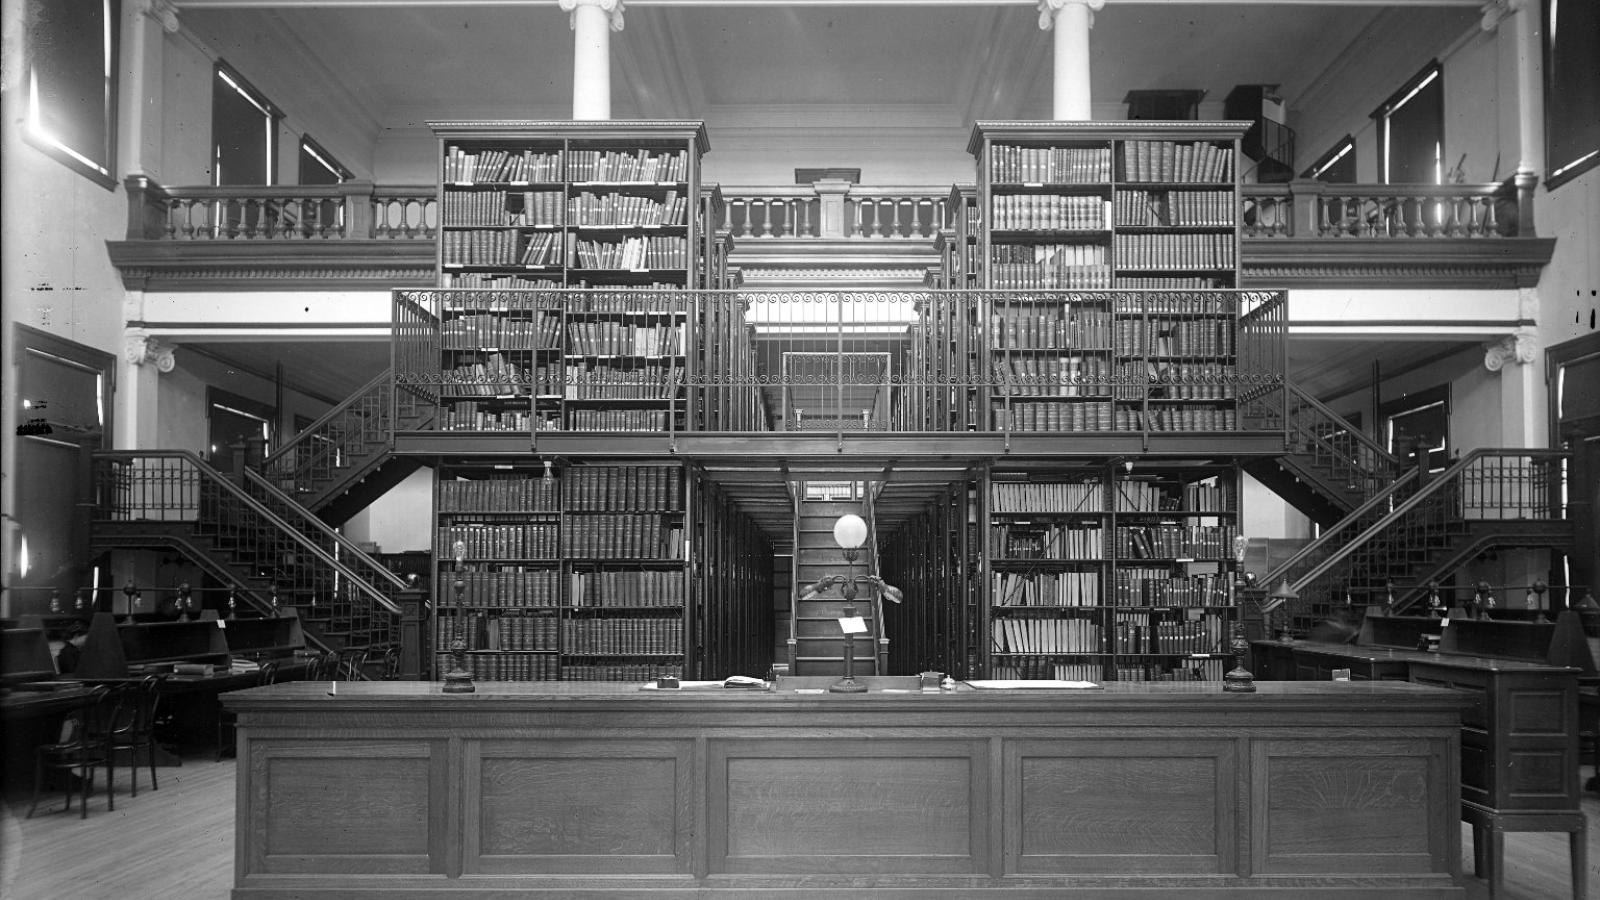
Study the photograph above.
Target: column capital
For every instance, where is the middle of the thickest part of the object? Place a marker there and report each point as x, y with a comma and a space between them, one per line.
612, 8
139, 349
163, 11
1521, 346
1495, 10
1049, 8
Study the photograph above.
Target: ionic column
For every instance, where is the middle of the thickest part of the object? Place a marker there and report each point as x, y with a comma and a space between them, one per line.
1516, 359
1072, 20
1525, 73
592, 24
144, 359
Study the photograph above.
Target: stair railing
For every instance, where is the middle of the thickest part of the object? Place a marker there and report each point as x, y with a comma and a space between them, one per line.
1487, 483
796, 491
297, 516
177, 486
1347, 452
308, 463
874, 568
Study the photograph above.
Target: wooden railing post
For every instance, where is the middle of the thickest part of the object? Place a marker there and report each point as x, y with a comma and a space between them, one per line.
358, 219
413, 612
147, 208
1305, 197
832, 192
1525, 181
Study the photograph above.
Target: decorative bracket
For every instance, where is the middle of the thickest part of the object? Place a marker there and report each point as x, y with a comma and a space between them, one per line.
1049, 8
142, 348
1496, 10
612, 8
1521, 346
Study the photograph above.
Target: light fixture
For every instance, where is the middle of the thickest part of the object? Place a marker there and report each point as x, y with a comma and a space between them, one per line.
850, 533
459, 679
1280, 597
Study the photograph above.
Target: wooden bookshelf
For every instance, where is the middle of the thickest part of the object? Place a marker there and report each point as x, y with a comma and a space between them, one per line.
1103, 571
934, 557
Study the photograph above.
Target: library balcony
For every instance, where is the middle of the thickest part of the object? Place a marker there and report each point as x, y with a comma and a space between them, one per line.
361, 236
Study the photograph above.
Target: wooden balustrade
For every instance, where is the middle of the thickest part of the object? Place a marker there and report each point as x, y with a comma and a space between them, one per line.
836, 209
1313, 209
353, 210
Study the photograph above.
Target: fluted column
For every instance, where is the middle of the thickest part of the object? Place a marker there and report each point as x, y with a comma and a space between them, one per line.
1071, 20
144, 359
592, 24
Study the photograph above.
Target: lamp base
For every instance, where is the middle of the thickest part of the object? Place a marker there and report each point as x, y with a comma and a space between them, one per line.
847, 686
1239, 681
458, 681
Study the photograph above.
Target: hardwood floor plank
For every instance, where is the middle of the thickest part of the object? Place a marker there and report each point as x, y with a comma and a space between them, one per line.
178, 843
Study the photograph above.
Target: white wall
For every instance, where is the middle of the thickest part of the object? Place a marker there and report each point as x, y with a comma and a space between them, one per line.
399, 520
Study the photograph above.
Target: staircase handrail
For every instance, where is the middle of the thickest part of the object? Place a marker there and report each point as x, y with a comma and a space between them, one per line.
793, 643
239, 494
1378, 452
308, 433
328, 532
1335, 533
1446, 480
880, 640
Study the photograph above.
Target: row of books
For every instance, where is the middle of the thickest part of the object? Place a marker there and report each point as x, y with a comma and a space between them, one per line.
503, 666
1025, 668
540, 209
498, 281
488, 166
619, 165
650, 380
1077, 415
1053, 376
509, 587
1167, 496
497, 493
652, 252
482, 541
1040, 634
1047, 496
1202, 635
1049, 165
1175, 208
1171, 282
618, 419
499, 247
1183, 304
1177, 418
628, 587
1048, 276
1159, 587
1050, 212
623, 535
1188, 670
498, 376
500, 632
622, 487
1067, 328
633, 636
1173, 251
1032, 540
610, 338
1193, 381
1196, 162
498, 331
1046, 589
1171, 336
469, 416
628, 210
634, 671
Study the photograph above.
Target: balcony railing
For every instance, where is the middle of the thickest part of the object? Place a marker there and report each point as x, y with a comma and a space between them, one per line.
1313, 209
354, 210
835, 210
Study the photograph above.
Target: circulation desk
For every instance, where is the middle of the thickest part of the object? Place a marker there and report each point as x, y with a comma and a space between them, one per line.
395, 790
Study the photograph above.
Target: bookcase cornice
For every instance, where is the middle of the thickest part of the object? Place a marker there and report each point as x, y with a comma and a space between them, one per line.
1185, 129
610, 129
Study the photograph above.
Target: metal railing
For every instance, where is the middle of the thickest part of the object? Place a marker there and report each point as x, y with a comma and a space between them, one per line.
361, 425
247, 541
1347, 453
909, 361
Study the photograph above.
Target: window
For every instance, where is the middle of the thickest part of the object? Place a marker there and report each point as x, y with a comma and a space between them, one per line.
244, 131
1337, 166
1420, 419
317, 166
71, 83
1411, 131
1571, 89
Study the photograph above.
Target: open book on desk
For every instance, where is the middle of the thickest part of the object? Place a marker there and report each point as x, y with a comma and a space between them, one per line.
737, 682
1036, 684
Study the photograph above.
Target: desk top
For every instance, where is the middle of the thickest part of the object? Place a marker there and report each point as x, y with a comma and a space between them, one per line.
1424, 657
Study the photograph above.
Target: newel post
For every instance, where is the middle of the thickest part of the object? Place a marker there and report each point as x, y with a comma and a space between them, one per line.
413, 610
832, 192
358, 217
147, 208
1306, 197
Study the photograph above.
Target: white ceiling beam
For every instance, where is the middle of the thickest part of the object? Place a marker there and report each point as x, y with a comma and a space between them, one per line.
780, 4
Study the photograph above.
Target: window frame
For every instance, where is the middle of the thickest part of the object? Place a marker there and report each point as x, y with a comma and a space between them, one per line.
99, 171
1345, 146
274, 116
1430, 73
1560, 107
320, 154
1414, 402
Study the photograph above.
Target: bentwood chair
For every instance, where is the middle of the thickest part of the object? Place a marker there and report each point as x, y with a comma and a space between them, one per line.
76, 753
131, 728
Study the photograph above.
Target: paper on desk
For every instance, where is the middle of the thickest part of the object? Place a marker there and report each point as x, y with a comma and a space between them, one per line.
999, 685
853, 624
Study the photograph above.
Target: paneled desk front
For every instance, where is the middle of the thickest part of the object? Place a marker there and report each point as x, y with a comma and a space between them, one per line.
527, 790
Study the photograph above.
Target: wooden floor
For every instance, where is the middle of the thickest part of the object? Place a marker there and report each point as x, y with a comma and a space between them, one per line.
177, 844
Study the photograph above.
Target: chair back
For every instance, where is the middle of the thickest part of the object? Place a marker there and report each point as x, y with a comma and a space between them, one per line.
269, 673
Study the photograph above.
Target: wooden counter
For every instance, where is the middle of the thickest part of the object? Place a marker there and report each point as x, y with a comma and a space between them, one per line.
394, 790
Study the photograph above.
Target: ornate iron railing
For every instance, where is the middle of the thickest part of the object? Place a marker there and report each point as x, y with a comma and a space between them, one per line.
327, 449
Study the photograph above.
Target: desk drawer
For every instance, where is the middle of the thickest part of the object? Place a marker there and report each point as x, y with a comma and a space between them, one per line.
1475, 714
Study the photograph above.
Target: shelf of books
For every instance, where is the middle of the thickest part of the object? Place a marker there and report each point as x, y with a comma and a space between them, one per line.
1084, 205
730, 616
570, 204
1110, 572
555, 579
934, 556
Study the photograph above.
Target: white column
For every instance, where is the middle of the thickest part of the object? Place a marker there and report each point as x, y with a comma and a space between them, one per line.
1072, 20
143, 61
1517, 361
592, 24
145, 359
1526, 74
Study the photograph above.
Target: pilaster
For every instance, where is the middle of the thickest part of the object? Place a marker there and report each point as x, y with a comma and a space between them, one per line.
146, 24
1517, 361
144, 360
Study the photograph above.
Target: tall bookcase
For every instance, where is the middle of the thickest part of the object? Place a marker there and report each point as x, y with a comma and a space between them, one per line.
1110, 571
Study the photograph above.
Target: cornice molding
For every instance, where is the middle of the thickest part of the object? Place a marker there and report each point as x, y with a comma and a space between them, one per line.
265, 265
1489, 263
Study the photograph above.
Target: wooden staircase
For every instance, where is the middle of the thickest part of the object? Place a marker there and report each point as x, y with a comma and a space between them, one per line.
817, 644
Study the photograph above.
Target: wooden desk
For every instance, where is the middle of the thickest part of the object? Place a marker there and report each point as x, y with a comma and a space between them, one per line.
544, 790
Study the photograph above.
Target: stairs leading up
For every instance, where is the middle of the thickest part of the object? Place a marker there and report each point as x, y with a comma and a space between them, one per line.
819, 645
